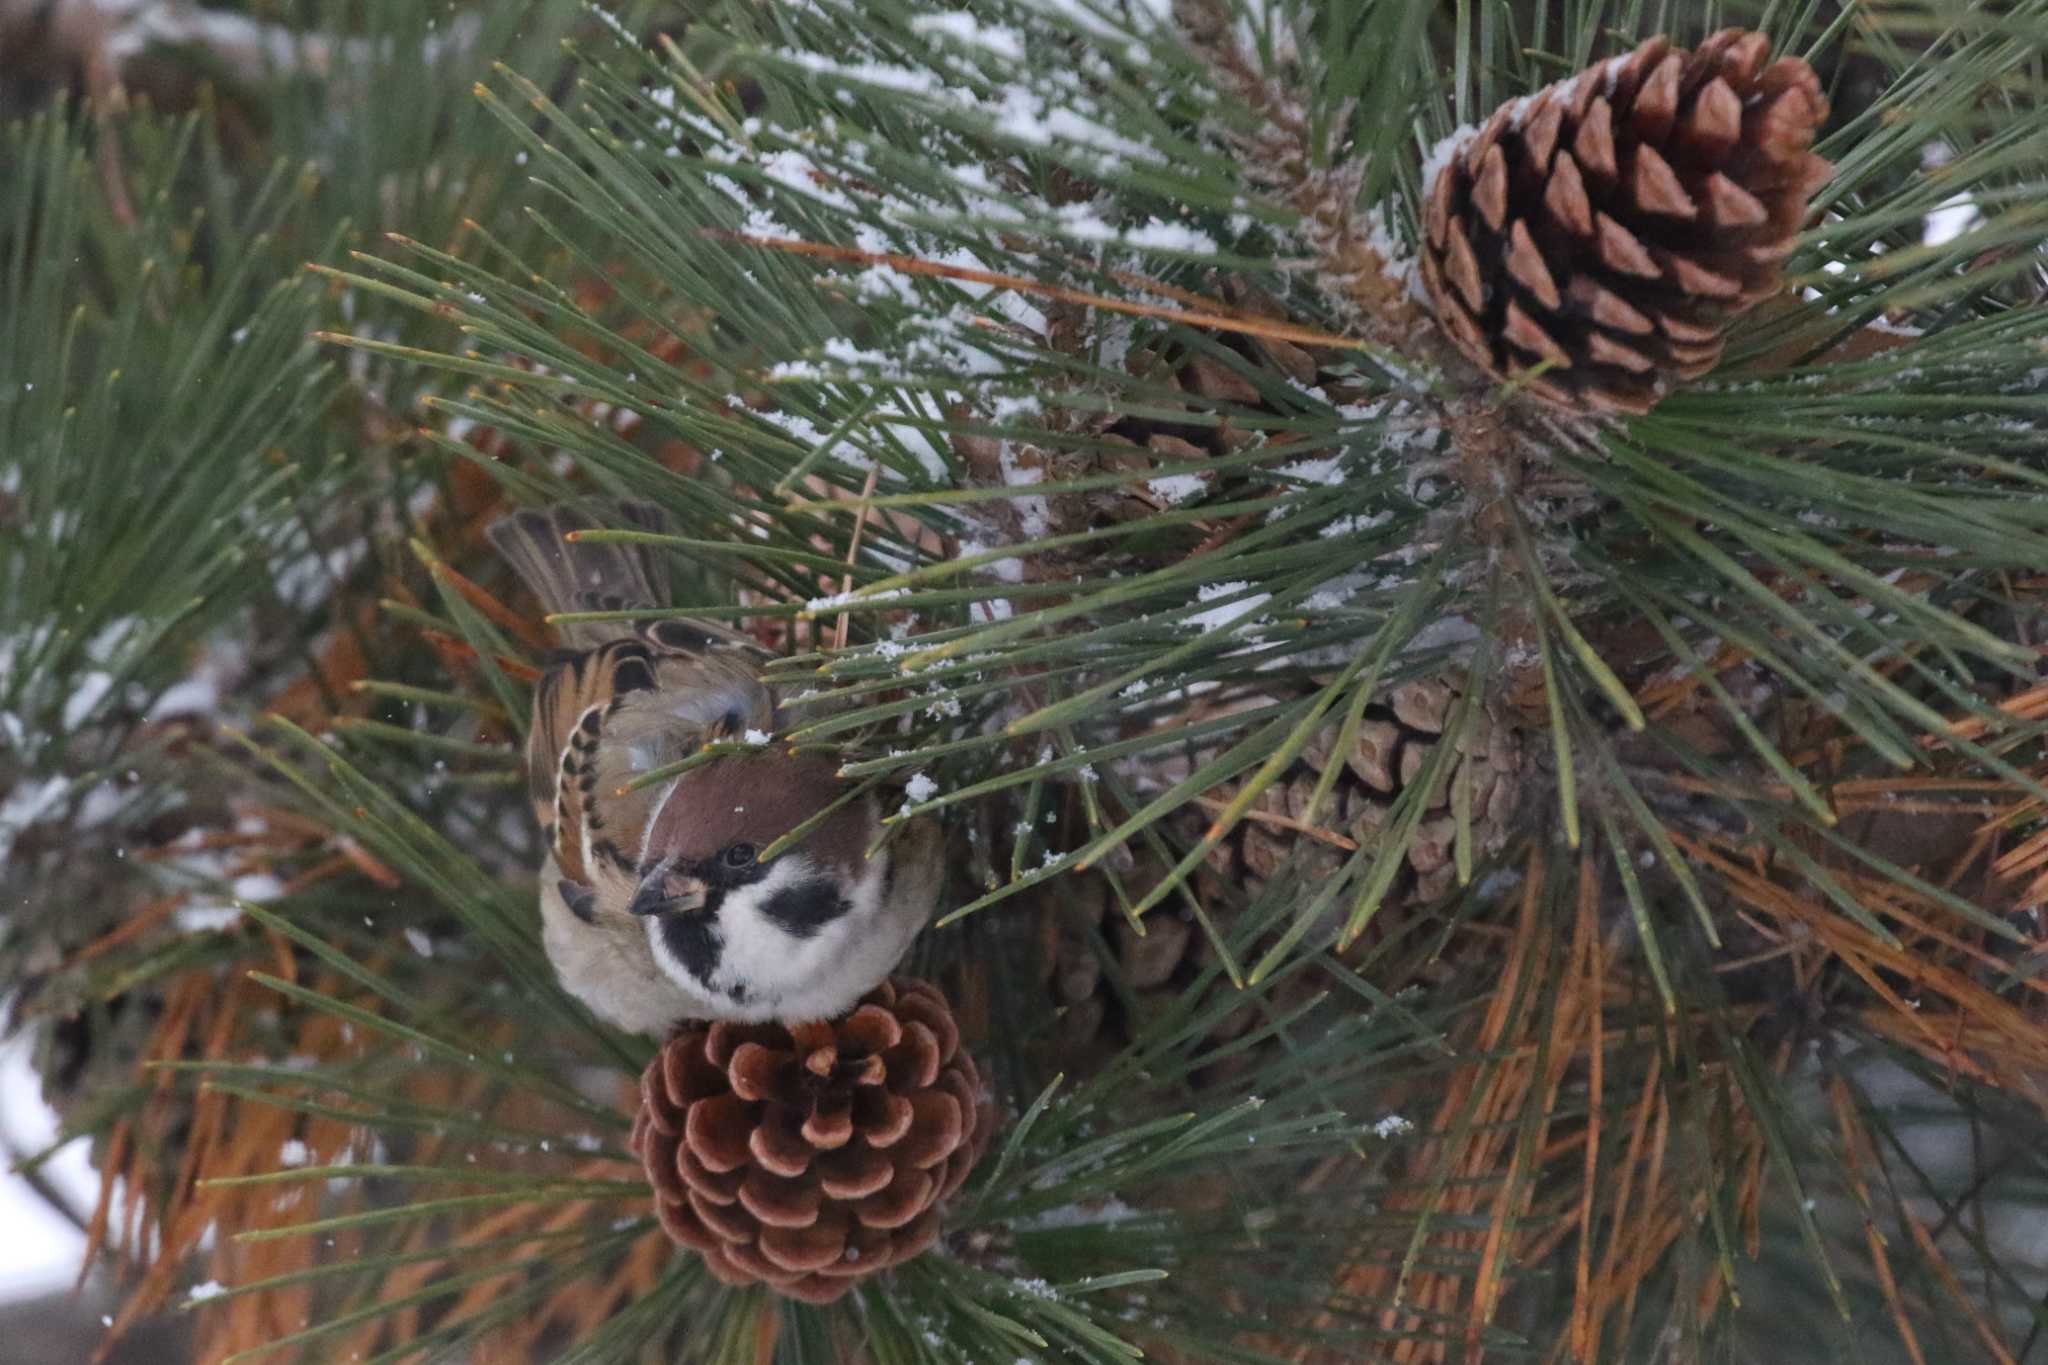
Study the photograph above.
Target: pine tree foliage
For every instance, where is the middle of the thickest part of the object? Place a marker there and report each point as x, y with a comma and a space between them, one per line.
1043, 378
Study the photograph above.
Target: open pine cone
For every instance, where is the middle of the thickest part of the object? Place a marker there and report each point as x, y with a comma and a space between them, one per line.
1395, 738
1612, 224
809, 1156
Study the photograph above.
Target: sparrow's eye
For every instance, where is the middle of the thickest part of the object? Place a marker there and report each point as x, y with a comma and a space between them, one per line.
738, 855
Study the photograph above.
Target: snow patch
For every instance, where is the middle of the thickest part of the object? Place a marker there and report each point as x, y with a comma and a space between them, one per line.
1175, 489
201, 919
963, 28
1227, 613
1440, 155
88, 690
28, 802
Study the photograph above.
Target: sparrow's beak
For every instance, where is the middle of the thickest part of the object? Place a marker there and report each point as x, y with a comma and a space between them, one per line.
667, 892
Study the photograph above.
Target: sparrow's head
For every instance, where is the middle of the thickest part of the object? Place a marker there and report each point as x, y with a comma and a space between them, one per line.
724, 923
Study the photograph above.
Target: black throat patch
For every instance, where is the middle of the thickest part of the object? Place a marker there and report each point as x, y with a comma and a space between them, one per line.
695, 942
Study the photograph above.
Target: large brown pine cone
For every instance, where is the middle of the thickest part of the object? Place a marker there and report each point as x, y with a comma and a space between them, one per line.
1613, 223
809, 1156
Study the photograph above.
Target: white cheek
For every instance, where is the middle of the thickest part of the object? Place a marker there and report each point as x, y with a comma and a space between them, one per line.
774, 964
759, 954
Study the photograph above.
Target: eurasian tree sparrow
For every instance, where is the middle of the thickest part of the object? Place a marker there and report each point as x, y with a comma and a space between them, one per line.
655, 904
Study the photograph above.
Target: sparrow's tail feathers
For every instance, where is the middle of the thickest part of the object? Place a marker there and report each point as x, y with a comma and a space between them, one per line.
582, 575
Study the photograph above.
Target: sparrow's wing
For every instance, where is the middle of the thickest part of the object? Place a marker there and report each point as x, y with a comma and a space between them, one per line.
571, 703
574, 575
608, 715
633, 696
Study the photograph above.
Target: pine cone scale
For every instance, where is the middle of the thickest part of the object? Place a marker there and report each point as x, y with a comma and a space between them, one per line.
747, 1259
827, 1128
914, 1064
901, 1200
883, 1117
1731, 206
716, 1130
935, 1132
779, 1201
1526, 264
1593, 147
850, 1176
728, 1223
869, 1030
683, 1227
802, 1249
716, 1186
778, 1145
1656, 186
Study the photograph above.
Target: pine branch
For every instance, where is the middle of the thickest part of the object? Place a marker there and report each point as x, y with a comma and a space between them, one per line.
1043, 386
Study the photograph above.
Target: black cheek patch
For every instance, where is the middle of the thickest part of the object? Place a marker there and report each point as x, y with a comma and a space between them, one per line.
694, 943
802, 910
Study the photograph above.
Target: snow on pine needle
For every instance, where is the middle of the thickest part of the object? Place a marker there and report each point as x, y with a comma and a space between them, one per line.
920, 381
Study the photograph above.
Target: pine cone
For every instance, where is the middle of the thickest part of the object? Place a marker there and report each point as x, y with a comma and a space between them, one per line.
1613, 223
1192, 411
810, 1156
1394, 740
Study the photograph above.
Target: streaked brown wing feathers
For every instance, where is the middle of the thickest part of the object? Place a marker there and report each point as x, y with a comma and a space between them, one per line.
569, 711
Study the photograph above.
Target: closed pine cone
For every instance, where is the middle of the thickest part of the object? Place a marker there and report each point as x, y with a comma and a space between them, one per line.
810, 1156
1612, 224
